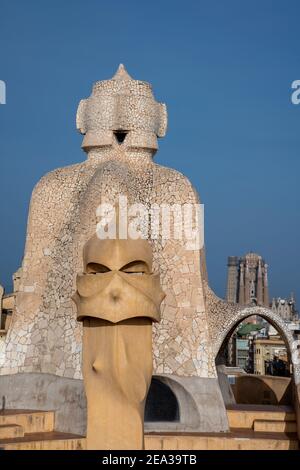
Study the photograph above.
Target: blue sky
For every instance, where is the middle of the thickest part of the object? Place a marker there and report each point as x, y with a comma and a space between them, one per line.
224, 70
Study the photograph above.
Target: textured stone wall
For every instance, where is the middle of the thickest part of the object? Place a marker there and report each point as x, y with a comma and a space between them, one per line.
44, 335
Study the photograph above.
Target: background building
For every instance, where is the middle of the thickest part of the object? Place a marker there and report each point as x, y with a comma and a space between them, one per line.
270, 356
242, 353
286, 308
247, 280
258, 349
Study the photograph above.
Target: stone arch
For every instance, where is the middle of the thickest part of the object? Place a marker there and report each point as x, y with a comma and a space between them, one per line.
238, 315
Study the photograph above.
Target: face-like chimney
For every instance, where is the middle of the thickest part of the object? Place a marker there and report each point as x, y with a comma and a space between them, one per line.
121, 110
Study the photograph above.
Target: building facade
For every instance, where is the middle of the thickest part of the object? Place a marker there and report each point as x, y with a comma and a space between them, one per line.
270, 356
286, 308
247, 280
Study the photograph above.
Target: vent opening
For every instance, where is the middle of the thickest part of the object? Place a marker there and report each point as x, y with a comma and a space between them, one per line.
161, 403
120, 136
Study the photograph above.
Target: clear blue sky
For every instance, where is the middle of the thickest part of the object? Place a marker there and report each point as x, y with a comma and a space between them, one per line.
224, 68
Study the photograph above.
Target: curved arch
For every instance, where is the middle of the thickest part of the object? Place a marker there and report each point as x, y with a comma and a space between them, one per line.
191, 414
274, 319
161, 403
188, 414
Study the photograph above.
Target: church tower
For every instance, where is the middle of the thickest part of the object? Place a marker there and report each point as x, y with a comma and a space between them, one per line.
232, 279
247, 280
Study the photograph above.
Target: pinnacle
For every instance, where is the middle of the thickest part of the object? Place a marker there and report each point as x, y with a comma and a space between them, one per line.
121, 74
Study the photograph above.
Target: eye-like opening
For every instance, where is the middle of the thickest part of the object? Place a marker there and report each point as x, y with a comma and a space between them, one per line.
136, 267
120, 135
96, 268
